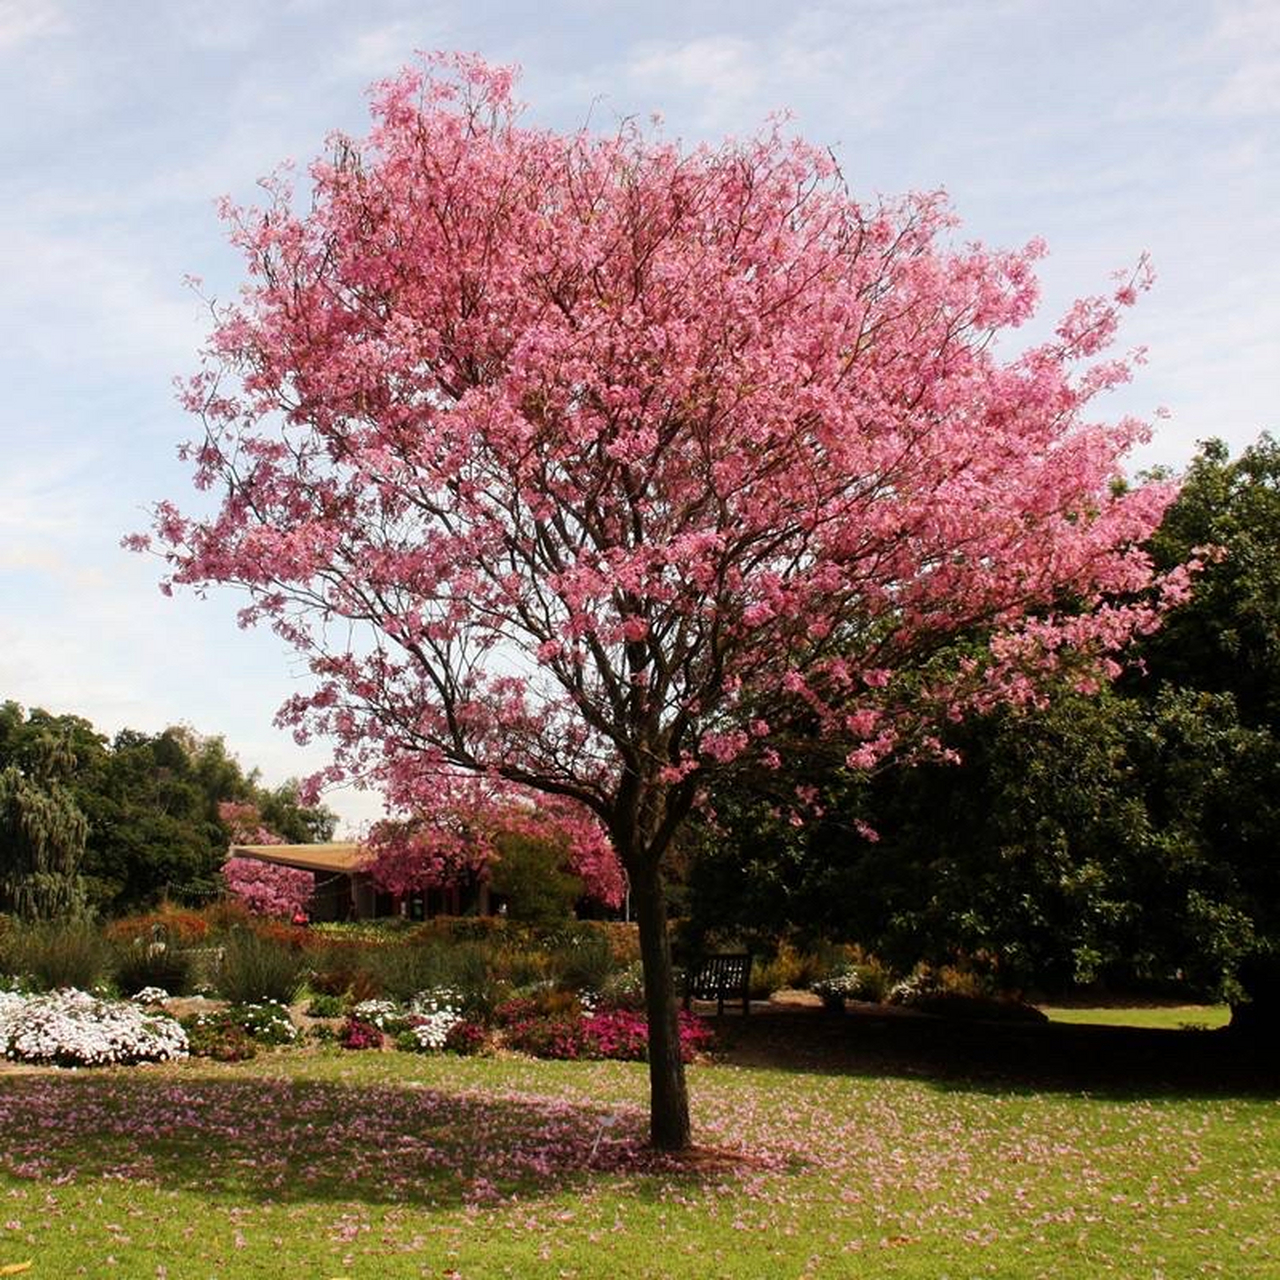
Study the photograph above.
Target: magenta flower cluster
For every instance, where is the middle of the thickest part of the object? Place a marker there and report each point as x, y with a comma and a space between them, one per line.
357, 1034
617, 1034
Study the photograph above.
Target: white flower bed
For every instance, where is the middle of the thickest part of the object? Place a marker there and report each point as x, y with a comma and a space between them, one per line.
74, 1029
383, 1014
431, 1030
434, 1014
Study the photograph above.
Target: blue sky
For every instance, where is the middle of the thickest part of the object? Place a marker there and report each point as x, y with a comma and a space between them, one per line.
1109, 128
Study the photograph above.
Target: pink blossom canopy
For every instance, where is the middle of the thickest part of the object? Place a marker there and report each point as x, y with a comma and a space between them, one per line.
577, 462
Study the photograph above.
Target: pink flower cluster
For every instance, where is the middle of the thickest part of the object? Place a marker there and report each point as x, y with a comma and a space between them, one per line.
616, 1034
458, 829
267, 889
245, 823
356, 1034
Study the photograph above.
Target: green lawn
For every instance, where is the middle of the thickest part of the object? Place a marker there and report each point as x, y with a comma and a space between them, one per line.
323, 1164
1169, 1017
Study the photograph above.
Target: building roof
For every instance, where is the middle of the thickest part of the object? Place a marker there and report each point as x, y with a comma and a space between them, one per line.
341, 856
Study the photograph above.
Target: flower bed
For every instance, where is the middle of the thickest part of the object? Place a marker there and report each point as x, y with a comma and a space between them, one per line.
71, 1028
618, 1034
235, 1032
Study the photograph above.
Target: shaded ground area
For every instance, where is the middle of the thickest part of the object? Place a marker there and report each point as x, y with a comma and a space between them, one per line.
306, 1140
875, 1040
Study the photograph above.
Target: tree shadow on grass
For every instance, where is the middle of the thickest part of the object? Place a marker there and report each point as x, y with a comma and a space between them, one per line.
290, 1141
1123, 1063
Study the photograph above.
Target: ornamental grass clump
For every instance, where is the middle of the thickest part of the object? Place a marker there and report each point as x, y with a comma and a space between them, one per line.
52, 955
255, 968
153, 961
343, 968
582, 959
71, 1028
400, 969
181, 925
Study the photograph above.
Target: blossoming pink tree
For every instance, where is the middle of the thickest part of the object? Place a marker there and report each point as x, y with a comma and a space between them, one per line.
578, 463
266, 889
463, 838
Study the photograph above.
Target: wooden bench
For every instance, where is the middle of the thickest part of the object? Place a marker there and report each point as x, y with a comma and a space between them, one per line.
720, 978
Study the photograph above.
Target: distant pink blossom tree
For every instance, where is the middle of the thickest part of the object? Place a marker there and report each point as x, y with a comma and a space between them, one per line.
451, 844
243, 822
264, 887
267, 889
579, 464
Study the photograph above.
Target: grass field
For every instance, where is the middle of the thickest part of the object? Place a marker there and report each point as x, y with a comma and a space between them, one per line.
324, 1164
1170, 1017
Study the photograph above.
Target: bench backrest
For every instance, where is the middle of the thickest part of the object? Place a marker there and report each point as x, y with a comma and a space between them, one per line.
721, 975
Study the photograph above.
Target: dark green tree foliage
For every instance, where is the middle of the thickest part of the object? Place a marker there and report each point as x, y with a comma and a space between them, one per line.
1132, 837
529, 876
1100, 839
1226, 639
151, 804
42, 835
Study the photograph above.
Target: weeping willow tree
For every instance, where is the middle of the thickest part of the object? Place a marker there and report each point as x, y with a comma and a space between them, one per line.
42, 838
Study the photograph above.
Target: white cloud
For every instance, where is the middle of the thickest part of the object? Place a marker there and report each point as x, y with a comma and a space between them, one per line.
723, 71
865, 60
1246, 40
73, 296
22, 21
382, 50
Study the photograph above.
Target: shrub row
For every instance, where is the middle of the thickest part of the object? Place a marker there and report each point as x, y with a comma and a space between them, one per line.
244, 960
247, 961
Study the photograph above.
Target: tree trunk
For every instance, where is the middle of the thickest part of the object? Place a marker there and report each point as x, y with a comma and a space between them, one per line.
668, 1094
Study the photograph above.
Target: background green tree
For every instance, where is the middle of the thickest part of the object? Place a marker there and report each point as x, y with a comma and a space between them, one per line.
150, 802
42, 833
1132, 837
530, 877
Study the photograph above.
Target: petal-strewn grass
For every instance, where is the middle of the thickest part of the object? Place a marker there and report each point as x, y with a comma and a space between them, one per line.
373, 1165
